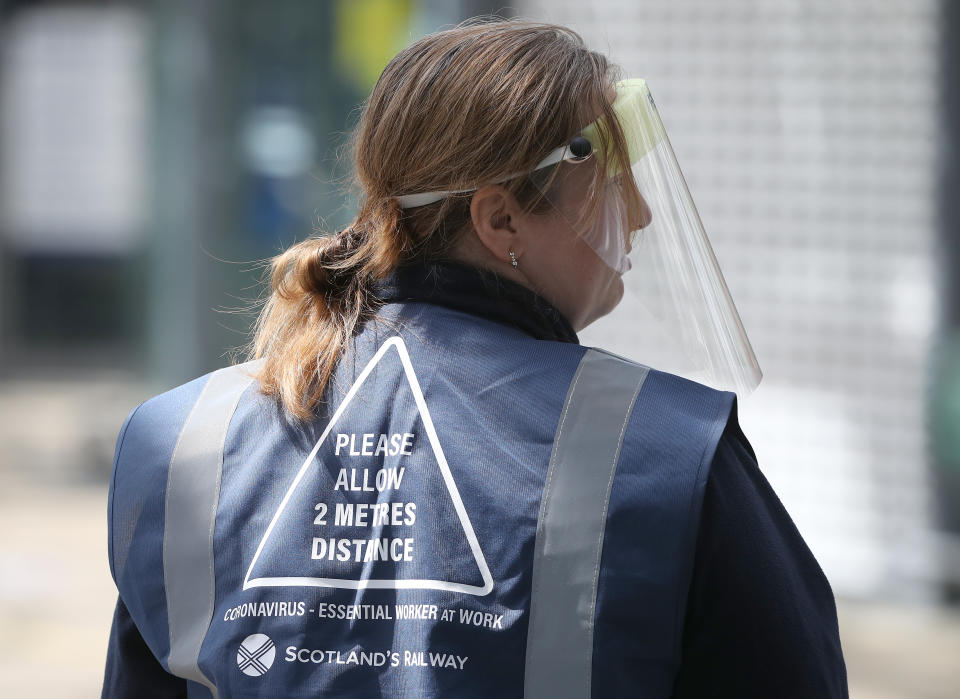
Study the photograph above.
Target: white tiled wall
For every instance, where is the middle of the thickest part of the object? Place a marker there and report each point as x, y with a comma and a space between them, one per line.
807, 134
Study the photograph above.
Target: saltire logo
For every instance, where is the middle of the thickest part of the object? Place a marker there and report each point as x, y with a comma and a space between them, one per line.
255, 655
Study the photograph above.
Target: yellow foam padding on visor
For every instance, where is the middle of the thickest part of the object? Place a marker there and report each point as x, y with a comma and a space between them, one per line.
638, 119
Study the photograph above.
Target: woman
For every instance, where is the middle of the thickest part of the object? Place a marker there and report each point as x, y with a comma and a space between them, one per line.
424, 485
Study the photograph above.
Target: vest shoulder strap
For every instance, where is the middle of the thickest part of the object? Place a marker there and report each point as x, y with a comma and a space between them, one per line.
190, 509
570, 528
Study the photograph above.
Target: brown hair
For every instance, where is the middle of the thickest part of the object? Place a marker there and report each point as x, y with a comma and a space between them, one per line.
457, 109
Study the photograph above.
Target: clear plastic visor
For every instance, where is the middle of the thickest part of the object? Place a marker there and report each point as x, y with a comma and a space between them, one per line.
677, 314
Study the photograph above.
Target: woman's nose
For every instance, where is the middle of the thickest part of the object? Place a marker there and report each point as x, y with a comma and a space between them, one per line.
645, 214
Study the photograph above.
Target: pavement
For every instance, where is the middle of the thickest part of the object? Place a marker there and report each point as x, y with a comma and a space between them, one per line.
56, 594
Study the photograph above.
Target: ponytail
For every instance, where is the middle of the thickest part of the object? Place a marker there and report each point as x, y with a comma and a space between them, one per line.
321, 294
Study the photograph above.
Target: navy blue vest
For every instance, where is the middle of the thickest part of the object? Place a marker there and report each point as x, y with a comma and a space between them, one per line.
474, 512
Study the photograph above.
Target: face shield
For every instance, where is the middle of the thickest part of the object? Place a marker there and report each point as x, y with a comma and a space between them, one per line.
676, 314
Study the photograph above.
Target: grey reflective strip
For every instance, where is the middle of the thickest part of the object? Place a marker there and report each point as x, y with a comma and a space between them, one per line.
573, 513
193, 489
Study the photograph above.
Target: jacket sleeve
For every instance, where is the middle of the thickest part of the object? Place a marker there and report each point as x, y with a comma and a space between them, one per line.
761, 618
131, 669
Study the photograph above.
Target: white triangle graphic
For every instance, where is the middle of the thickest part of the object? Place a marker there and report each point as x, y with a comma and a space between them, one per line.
486, 588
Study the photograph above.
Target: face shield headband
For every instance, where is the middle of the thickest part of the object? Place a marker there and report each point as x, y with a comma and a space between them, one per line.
605, 236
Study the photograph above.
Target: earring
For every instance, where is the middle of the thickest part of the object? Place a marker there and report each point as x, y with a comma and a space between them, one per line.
513, 259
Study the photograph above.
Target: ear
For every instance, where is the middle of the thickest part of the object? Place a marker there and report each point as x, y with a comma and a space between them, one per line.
494, 212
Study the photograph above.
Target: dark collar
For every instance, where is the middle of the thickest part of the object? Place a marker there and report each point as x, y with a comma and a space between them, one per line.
480, 292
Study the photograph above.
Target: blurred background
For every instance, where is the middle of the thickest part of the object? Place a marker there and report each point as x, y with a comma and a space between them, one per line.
152, 153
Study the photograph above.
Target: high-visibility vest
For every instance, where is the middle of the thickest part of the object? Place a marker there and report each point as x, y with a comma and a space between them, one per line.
472, 513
